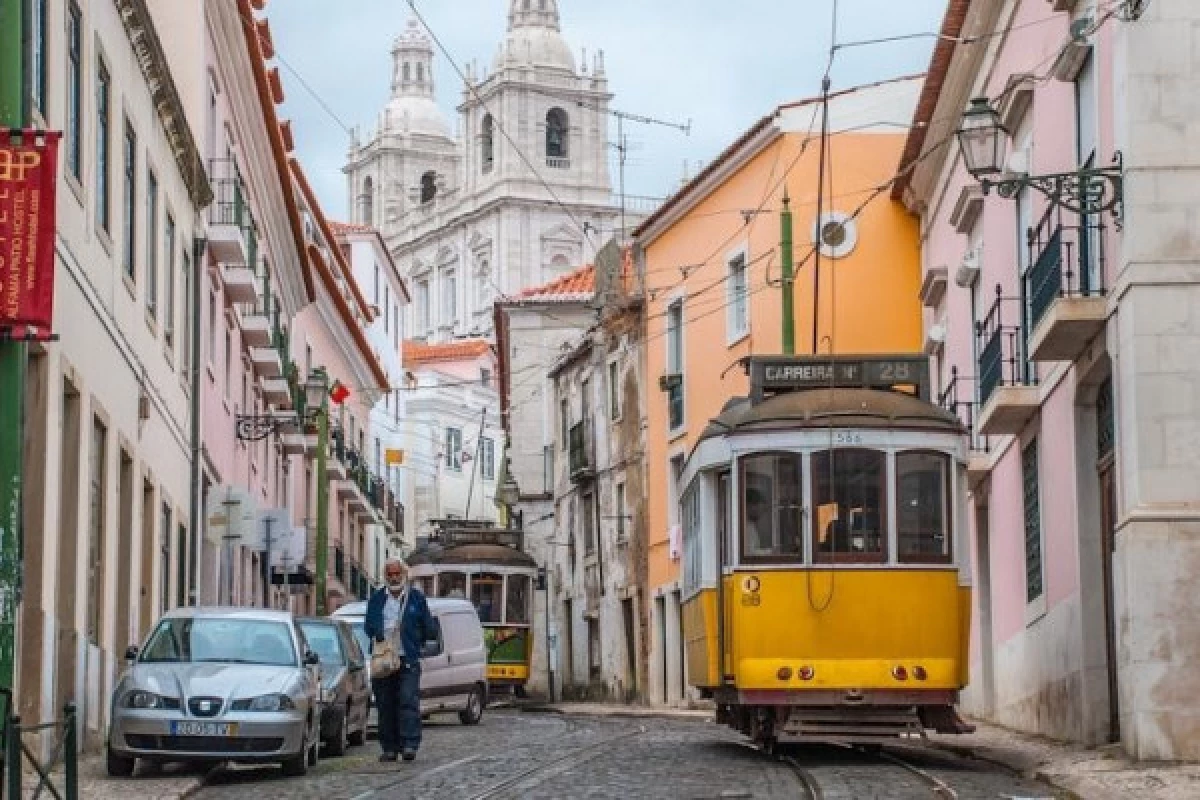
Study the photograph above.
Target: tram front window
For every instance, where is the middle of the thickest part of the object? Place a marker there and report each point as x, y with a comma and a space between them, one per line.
452, 584
486, 595
772, 508
923, 507
517, 602
849, 495
425, 584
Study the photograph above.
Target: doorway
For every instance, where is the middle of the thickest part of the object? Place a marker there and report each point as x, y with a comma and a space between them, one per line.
1106, 475
631, 681
983, 562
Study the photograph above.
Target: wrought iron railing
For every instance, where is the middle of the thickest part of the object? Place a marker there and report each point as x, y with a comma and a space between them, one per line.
17, 754
1002, 358
1065, 261
339, 564
959, 399
579, 455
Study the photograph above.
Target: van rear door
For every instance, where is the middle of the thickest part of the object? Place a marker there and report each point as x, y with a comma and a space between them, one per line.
465, 649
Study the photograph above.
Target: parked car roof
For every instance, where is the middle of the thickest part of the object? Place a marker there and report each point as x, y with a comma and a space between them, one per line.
359, 608
356, 609
230, 612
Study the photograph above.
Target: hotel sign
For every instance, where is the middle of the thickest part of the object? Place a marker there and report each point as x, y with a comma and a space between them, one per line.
775, 374
28, 166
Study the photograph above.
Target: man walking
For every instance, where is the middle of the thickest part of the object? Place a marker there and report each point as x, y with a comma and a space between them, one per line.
398, 613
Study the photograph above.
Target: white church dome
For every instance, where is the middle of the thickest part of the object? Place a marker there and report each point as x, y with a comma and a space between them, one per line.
534, 36
414, 115
412, 108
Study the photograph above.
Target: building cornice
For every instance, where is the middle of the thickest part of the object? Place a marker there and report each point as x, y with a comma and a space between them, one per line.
148, 49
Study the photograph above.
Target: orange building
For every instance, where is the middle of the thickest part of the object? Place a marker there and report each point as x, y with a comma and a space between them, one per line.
711, 260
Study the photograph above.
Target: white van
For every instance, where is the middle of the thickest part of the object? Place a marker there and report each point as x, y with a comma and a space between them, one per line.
454, 671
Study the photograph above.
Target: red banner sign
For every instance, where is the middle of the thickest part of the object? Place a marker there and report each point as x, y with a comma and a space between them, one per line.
28, 166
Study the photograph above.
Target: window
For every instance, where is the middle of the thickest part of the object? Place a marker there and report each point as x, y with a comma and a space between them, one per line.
181, 561
151, 243
452, 584
614, 390
556, 134
485, 377
594, 659
738, 299
428, 187
164, 575
387, 314
693, 548
675, 364
228, 362
97, 511
212, 326
1086, 122
396, 326
587, 504
103, 146
169, 284
564, 421
128, 203
37, 25
1033, 521
74, 127
923, 509
454, 449
488, 467
186, 338
850, 505
423, 306
518, 601
486, 595
585, 402
367, 217
407, 72
619, 507
449, 298
488, 143
420, 72
773, 507
375, 297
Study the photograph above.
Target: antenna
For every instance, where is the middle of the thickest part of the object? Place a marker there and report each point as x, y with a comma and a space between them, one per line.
623, 144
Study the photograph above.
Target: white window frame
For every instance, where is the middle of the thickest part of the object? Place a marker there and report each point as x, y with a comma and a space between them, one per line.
737, 329
453, 459
614, 389
677, 299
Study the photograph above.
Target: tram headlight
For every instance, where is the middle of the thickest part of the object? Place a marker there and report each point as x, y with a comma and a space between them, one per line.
806, 673
900, 673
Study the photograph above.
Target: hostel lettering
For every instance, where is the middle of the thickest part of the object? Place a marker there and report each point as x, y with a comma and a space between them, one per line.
27, 184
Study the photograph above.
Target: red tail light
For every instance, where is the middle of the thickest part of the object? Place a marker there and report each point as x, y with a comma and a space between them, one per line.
919, 673
784, 673
900, 673
806, 673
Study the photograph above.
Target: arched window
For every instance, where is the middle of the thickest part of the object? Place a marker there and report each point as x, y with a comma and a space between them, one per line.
407, 72
556, 133
489, 142
367, 202
428, 186
420, 73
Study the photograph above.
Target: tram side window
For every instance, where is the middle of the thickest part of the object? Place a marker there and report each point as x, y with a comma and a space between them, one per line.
517, 602
425, 584
850, 502
452, 584
773, 507
923, 507
486, 589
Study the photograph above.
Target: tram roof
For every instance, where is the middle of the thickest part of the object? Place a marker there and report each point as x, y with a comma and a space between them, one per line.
820, 408
496, 554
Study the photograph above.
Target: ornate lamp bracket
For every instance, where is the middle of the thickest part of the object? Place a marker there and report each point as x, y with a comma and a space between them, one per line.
1088, 191
255, 428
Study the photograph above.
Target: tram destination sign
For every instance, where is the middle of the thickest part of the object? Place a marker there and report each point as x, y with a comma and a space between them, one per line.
775, 374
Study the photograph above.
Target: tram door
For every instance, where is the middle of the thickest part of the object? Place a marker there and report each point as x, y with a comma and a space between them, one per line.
724, 618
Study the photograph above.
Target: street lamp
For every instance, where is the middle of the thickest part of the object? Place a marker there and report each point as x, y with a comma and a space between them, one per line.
316, 404
1089, 190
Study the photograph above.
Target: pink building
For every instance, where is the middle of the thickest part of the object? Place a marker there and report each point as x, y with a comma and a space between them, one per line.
1069, 343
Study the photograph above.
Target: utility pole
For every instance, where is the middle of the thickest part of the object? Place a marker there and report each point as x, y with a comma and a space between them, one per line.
788, 284
322, 491
12, 370
475, 462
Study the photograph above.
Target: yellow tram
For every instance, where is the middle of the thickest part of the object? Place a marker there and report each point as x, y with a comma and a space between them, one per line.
826, 577
488, 566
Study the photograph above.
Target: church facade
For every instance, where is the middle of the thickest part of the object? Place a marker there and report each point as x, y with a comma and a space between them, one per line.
517, 195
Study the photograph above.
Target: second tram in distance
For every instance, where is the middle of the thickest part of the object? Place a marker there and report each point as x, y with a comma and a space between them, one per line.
826, 577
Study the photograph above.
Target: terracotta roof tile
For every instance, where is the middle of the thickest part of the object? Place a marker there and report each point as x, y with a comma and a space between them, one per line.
349, 227
578, 286
418, 353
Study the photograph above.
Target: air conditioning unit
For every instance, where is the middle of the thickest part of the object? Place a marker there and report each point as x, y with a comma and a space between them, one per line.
968, 271
672, 380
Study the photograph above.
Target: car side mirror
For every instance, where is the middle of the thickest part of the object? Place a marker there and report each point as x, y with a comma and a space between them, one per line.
311, 659
431, 648
131, 653
357, 666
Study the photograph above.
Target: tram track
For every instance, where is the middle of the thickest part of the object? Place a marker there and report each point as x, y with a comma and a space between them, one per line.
806, 778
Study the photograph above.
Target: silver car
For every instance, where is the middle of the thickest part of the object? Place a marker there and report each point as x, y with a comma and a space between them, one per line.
218, 684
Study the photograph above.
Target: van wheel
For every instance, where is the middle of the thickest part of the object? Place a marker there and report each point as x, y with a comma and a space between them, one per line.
297, 766
337, 745
474, 710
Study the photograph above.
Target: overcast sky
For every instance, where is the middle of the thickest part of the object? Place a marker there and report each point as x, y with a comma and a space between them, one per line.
720, 64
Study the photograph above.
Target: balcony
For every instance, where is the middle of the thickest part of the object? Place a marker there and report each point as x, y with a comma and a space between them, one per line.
255, 326
959, 399
582, 461
228, 215
266, 361
277, 392
240, 284
555, 162
1008, 393
1065, 286
293, 443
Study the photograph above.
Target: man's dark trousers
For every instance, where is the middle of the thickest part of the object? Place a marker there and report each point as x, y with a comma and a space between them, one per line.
398, 697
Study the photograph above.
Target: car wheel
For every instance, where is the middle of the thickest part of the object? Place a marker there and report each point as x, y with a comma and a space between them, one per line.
119, 766
359, 737
474, 710
337, 745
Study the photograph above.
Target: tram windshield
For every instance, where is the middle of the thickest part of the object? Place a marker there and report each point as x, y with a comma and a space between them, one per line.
773, 508
849, 496
452, 584
486, 594
923, 507
517, 601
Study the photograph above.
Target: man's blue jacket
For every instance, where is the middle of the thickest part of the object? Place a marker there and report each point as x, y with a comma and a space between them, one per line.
417, 627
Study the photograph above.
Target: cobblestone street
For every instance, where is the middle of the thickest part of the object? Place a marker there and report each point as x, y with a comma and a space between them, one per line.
547, 756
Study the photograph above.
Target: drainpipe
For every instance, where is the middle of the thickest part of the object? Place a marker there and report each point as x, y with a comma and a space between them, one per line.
199, 261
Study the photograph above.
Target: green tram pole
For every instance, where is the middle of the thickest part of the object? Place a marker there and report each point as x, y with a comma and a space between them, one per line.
12, 368
788, 282
322, 562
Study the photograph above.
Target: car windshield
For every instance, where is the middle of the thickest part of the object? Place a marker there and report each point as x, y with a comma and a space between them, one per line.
221, 640
324, 641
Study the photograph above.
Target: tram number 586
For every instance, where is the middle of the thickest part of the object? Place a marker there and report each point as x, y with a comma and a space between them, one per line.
847, 438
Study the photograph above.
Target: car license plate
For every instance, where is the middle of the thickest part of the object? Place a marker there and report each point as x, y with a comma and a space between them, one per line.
189, 728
